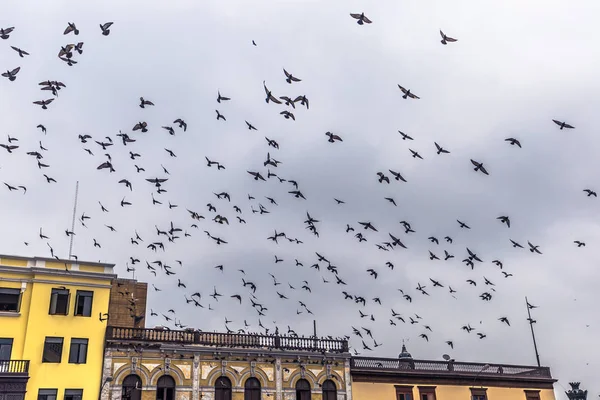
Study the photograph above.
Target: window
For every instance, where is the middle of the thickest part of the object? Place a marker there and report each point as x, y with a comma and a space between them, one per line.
426, 392
78, 352
5, 348
132, 388
52, 350
10, 300
223, 388
83, 303
532, 395
47, 394
302, 390
404, 392
165, 388
478, 394
252, 389
329, 390
73, 394
59, 302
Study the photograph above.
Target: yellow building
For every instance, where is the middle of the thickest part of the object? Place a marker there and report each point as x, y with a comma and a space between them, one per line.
160, 364
51, 336
403, 378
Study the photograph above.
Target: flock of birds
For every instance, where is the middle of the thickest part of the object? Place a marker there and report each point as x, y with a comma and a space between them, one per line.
226, 211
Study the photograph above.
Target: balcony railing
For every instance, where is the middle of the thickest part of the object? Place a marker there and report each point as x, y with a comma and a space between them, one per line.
368, 364
14, 367
233, 340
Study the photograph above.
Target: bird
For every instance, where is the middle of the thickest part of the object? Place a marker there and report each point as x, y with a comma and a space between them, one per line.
504, 219
43, 103
221, 98
563, 124
579, 243
270, 96
408, 93
333, 137
361, 18
440, 149
590, 192
105, 28
513, 141
71, 28
446, 39
289, 78
5, 32
479, 167
144, 103
22, 53
11, 74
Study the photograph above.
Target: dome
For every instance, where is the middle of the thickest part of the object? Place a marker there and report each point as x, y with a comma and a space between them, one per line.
404, 355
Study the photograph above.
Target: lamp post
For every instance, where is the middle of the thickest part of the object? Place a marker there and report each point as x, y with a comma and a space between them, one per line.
484, 368
107, 380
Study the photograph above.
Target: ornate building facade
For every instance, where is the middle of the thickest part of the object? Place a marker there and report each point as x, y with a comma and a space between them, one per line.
153, 364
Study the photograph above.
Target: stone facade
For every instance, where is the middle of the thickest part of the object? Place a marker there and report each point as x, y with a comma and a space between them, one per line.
195, 370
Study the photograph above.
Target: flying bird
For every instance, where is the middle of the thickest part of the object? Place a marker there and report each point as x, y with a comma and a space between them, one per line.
446, 39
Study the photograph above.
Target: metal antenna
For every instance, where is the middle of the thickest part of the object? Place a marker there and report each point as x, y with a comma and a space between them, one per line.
73, 221
537, 355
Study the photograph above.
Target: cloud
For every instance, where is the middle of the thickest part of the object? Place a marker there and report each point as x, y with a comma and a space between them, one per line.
503, 78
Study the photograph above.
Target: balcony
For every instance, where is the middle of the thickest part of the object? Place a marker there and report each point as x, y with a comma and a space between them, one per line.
231, 340
368, 367
14, 368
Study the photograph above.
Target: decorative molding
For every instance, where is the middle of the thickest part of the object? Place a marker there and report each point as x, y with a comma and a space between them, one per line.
167, 366
134, 361
252, 368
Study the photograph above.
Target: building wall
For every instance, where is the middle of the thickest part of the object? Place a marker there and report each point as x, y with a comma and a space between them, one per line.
196, 371
384, 391
122, 291
33, 324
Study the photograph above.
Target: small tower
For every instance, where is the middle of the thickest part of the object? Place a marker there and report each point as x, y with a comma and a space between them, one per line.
406, 360
575, 393
405, 355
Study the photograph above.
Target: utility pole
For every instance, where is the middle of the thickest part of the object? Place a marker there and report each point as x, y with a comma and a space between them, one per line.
73, 221
531, 321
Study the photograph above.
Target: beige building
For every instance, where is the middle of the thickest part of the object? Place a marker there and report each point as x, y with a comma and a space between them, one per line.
154, 364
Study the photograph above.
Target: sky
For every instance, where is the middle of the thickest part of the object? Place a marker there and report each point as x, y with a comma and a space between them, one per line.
515, 67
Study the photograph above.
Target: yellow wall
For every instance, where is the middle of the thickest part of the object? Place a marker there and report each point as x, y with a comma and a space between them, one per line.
34, 323
381, 391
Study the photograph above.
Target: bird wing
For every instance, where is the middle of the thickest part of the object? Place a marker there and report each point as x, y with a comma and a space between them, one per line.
413, 96
15, 71
449, 39
367, 20
106, 26
356, 16
403, 90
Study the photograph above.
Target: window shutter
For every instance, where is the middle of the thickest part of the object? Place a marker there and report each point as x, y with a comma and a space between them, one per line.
53, 301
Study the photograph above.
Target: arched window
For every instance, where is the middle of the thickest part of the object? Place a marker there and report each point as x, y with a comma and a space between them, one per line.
165, 388
252, 389
223, 388
132, 388
302, 390
329, 390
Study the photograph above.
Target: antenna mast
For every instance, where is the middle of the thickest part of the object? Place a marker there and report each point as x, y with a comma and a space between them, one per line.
537, 355
73, 221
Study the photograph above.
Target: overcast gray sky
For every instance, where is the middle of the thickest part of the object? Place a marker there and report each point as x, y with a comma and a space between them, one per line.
516, 66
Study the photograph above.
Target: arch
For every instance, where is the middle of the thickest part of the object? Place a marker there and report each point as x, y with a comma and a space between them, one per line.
322, 377
223, 388
216, 374
303, 390
252, 389
173, 372
165, 388
124, 371
309, 376
329, 390
131, 388
258, 374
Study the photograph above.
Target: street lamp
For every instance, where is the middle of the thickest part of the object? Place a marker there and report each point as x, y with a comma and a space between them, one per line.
485, 367
107, 380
